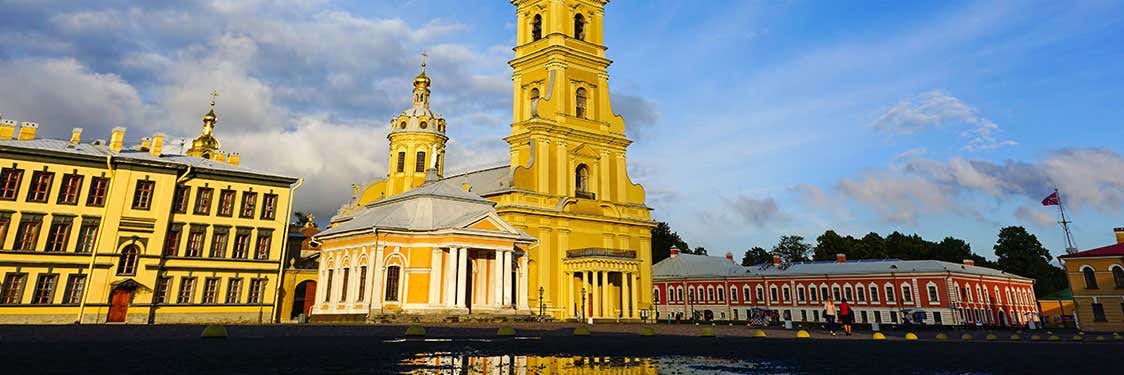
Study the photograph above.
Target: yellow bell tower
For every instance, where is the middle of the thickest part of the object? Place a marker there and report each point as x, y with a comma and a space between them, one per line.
570, 186
417, 141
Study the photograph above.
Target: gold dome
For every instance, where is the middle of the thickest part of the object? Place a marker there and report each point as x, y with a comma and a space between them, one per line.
210, 116
421, 81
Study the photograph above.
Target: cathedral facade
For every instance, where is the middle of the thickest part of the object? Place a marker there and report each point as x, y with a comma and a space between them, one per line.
566, 187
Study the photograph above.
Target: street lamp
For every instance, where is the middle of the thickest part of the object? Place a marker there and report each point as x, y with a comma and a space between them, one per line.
582, 313
540, 301
655, 308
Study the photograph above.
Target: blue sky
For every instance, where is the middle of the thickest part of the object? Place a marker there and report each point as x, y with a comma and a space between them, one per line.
750, 119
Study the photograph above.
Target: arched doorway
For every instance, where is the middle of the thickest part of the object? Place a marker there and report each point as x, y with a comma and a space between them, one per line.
304, 296
119, 304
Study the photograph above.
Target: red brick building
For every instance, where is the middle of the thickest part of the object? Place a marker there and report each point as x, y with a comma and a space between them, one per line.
886, 291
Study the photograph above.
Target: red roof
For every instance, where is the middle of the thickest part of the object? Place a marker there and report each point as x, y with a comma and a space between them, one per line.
1107, 251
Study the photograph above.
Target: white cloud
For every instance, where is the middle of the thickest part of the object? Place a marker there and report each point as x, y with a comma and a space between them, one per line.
61, 94
939, 109
757, 212
1035, 216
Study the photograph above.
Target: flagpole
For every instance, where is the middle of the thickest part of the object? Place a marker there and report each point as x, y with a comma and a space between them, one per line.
1065, 224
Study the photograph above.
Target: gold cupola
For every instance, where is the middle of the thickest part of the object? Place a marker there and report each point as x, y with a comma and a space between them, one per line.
206, 145
417, 141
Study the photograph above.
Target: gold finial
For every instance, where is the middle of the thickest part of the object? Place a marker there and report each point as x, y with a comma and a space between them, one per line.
214, 94
424, 56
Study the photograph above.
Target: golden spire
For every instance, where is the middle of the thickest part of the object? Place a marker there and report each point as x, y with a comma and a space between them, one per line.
422, 81
206, 145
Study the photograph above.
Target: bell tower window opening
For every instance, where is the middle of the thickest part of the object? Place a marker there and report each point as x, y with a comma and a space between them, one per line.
581, 182
419, 163
401, 162
579, 109
536, 28
423, 125
402, 125
579, 27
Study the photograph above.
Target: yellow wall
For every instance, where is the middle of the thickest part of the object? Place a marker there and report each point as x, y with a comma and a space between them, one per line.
120, 225
1106, 293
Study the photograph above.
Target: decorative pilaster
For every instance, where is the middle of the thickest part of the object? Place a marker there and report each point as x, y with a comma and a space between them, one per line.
377, 288
462, 271
435, 278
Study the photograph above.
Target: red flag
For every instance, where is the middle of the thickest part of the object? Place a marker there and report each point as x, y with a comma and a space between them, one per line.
1052, 200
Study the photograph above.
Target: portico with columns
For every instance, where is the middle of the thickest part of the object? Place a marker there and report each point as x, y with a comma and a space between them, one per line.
602, 283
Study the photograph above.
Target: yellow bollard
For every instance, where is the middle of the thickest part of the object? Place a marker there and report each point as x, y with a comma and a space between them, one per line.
647, 332
415, 331
991, 337
213, 332
505, 331
878, 336
1016, 337
942, 336
802, 334
1035, 337
1054, 338
758, 333
966, 337
582, 331
1100, 338
1077, 338
911, 336
707, 332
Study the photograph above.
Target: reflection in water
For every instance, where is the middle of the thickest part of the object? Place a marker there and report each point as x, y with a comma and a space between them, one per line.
452, 364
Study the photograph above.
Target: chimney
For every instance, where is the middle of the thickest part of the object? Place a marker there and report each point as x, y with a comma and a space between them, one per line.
840, 258
117, 139
776, 260
27, 131
969, 262
674, 252
1119, 234
7, 129
234, 158
146, 144
76, 135
730, 256
157, 144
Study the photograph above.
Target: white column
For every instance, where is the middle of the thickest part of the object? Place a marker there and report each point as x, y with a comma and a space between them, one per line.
450, 277
523, 291
626, 295
635, 280
495, 295
377, 280
435, 278
596, 298
507, 287
462, 269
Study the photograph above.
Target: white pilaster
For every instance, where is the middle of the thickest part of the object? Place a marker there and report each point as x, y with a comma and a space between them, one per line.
377, 286
523, 291
507, 287
435, 278
450, 277
462, 270
495, 294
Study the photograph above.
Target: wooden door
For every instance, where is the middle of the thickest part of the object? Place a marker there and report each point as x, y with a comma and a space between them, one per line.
310, 297
119, 305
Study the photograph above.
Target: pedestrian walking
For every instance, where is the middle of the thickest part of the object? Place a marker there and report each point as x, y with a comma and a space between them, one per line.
847, 316
829, 315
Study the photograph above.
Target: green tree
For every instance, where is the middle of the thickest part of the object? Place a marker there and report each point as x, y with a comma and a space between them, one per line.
700, 250
1020, 253
830, 244
663, 239
756, 255
792, 249
871, 246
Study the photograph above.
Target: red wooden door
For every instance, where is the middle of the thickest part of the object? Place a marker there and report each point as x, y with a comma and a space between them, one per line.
119, 305
309, 297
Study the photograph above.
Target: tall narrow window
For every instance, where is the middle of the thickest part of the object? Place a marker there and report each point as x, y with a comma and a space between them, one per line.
75, 284
391, 292
71, 187
1118, 277
127, 264
187, 290
534, 102
203, 200
536, 28
419, 162
343, 286
27, 235
142, 197
99, 186
860, 293
265, 239
1090, 278
581, 182
234, 290
163, 286
269, 207
362, 283
328, 287
218, 243
934, 297
195, 242
579, 104
10, 183
241, 245
58, 235
172, 241
45, 289
210, 290
1098, 312
179, 205
579, 27
226, 203
401, 167
40, 187
907, 294
889, 294
873, 294
249, 204
13, 288
87, 237
257, 291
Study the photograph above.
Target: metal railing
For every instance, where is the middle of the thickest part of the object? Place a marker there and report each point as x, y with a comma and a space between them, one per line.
600, 252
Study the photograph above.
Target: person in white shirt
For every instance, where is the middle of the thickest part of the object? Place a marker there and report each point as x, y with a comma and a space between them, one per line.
829, 315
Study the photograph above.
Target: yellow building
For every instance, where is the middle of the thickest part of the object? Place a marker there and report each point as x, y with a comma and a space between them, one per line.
96, 232
566, 183
1096, 278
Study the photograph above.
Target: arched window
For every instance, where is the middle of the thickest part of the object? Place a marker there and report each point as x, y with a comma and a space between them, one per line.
1118, 276
402, 125
691, 294
391, 292
401, 167
579, 27
710, 294
534, 102
1090, 278
721, 297
745, 293
679, 295
733, 294
581, 180
127, 264
579, 104
536, 28
419, 163
656, 295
